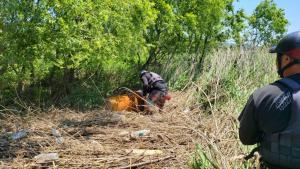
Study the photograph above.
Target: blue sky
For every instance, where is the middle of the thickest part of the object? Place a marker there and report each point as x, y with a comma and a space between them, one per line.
290, 7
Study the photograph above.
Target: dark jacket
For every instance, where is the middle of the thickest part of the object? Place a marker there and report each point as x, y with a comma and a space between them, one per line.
149, 78
152, 81
267, 111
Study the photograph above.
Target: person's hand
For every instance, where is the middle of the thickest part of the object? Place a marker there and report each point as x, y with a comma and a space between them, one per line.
145, 90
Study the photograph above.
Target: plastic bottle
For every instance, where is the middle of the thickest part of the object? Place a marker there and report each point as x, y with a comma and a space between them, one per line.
140, 133
19, 134
46, 157
59, 139
55, 132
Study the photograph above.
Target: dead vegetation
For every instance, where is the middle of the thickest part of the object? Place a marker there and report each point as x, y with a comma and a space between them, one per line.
101, 139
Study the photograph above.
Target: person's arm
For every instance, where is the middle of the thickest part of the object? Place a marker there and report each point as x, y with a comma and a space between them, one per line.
144, 80
145, 85
249, 132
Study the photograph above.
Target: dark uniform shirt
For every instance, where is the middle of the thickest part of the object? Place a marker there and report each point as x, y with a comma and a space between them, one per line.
267, 111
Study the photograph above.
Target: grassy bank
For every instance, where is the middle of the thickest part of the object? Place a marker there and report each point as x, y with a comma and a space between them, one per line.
229, 76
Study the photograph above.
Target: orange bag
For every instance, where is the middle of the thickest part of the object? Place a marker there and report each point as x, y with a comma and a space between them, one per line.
130, 102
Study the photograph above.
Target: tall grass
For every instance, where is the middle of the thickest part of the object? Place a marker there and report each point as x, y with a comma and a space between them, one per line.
228, 77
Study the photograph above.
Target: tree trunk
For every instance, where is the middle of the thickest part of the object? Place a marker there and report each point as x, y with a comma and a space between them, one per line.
199, 67
152, 55
63, 86
68, 78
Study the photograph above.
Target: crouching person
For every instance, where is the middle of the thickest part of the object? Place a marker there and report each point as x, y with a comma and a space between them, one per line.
156, 87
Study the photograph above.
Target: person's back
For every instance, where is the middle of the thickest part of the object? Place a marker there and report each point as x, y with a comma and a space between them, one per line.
271, 116
155, 85
149, 78
283, 148
152, 81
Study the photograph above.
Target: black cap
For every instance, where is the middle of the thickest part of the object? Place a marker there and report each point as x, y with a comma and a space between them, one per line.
287, 43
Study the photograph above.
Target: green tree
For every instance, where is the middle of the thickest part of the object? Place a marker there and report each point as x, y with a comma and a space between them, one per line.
190, 26
161, 36
203, 27
58, 43
236, 25
55, 45
267, 23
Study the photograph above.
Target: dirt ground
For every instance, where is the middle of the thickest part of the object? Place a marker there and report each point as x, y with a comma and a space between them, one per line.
101, 139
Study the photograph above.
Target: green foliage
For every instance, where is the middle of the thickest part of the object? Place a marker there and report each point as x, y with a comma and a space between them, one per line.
236, 22
58, 43
268, 23
192, 27
201, 159
180, 82
53, 47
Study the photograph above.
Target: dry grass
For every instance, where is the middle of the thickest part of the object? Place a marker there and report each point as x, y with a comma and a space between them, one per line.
96, 139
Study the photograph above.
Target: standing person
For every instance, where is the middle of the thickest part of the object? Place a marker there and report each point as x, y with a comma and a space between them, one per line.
155, 86
271, 117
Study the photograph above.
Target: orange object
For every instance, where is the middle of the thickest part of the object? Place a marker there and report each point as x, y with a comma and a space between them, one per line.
130, 102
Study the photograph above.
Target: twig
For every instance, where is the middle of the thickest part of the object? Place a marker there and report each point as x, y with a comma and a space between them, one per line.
147, 162
139, 159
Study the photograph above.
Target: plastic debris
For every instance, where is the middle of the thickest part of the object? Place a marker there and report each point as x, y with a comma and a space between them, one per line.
19, 134
55, 132
59, 139
140, 133
46, 157
123, 133
186, 110
144, 152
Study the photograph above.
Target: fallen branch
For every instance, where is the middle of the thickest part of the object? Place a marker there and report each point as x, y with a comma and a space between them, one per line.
147, 162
